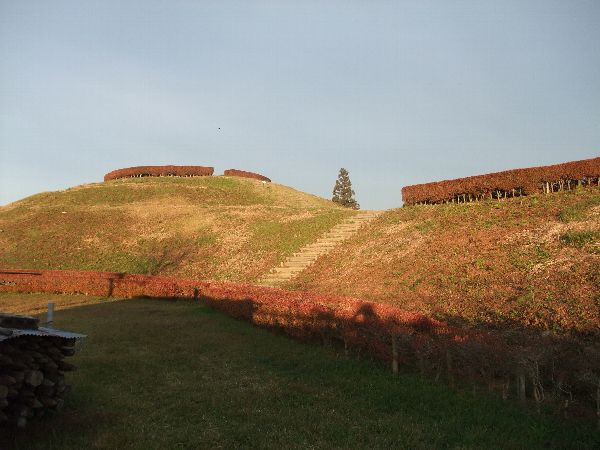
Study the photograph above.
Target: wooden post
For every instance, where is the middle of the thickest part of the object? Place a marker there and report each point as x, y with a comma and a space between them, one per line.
196, 294
521, 391
110, 287
598, 404
394, 354
50, 315
449, 368
505, 388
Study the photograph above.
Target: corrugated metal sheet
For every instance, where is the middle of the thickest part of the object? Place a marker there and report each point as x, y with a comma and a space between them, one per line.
42, 332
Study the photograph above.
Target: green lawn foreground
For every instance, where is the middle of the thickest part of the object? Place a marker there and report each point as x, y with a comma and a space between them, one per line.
160, 374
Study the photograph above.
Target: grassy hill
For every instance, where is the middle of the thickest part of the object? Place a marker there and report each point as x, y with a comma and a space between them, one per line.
531, 261
206, 227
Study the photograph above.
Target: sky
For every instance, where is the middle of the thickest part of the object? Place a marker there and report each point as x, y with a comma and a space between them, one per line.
397, 92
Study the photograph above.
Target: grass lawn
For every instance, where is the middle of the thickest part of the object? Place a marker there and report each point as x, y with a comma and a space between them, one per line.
157, 374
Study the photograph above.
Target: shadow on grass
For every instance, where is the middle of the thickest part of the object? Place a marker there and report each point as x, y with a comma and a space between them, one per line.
176, 374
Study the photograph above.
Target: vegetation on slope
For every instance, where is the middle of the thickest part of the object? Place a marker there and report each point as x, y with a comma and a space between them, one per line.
208, 381
206, 227
530, 261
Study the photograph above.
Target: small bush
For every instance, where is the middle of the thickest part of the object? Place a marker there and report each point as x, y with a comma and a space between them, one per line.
206, 239
579, 239
578, 211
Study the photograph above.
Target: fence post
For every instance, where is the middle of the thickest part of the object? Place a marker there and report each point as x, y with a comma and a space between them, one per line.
394, 354
449, 368
521, 389
110, 287
50, 315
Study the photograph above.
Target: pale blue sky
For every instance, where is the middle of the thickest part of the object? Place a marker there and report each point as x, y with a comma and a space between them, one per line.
397, 92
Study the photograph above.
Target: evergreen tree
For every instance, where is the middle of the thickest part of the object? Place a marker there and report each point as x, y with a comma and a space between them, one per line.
342, 192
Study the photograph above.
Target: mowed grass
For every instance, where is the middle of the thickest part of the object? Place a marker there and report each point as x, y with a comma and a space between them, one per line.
221, 228
157, 374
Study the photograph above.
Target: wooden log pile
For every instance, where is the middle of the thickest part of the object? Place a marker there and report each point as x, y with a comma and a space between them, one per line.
32, 374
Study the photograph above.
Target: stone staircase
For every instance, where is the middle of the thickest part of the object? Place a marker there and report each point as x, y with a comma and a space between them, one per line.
308, 254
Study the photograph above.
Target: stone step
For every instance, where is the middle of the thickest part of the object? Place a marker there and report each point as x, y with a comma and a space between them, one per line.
300, 259
319, 247
283, 275
298, 263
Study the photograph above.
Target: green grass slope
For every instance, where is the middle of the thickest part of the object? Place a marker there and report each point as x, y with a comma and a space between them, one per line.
160, 375
206, 227
531, 261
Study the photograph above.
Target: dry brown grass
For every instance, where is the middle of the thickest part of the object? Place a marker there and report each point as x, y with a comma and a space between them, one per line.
490, 262
208, 228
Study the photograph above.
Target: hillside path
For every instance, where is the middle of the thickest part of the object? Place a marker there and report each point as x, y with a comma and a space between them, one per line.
308, 254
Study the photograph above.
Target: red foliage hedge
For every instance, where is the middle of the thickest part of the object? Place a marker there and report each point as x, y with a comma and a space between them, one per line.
259, 304
244, 174
526, 181
566, 367
159, 171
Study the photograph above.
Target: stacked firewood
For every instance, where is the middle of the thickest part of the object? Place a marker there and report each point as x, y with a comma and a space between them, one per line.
32, 375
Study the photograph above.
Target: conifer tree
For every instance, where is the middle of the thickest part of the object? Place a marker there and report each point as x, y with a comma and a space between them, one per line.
342, 192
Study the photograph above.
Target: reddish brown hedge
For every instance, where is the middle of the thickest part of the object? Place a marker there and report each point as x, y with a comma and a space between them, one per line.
509, 183
301, 314
244, 174
159, 171
567, 367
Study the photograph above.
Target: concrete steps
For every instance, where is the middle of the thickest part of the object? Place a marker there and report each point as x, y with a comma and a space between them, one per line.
307, 255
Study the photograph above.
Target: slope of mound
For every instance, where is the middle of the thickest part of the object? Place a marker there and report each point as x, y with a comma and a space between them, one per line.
206, 227
531, 261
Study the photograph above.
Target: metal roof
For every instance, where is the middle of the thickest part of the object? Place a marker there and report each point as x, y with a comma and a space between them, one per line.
42, 332
13, 326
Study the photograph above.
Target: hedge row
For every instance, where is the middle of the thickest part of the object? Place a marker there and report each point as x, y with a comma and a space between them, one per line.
519, 363
159, 171
509, 183
244, 174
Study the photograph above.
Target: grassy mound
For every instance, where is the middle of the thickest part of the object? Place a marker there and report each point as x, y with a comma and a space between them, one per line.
530, 261
206, 227
161, 374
